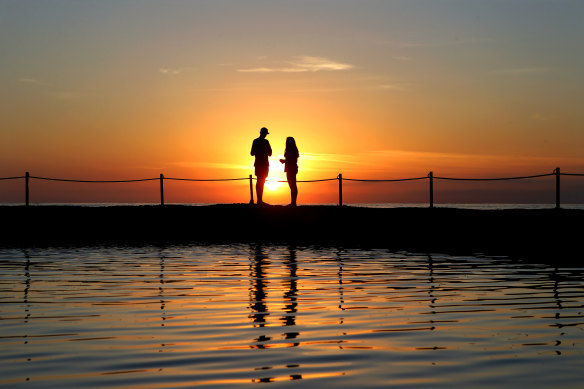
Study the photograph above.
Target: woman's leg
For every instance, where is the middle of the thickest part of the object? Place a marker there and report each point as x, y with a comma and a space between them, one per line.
293, 187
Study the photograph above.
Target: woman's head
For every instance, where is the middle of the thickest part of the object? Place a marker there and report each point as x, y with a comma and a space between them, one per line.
291, 149
290, 142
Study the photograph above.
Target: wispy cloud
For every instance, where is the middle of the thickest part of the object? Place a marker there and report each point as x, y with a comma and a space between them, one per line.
396, 163
413, 44
301, 64
31, 80
65, 95
391, 87
176, 71
269, 70
333, 158
382, 83
208, 165
521, 71
477, 162
539, 117
402, 44
49, 89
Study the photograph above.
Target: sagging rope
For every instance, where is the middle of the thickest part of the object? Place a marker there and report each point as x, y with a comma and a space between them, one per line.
495, 179
317, 180
92, 181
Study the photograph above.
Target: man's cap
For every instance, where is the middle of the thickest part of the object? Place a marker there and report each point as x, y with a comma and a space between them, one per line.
264, 130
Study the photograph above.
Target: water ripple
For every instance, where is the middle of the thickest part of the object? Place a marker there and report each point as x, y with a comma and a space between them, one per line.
239, 315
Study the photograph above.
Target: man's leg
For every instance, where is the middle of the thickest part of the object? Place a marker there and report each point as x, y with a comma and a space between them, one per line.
260, 189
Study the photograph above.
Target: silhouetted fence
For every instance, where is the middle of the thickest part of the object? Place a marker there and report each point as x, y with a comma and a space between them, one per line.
430, 177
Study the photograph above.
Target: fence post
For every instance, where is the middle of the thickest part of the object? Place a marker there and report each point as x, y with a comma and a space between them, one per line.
340, 177
557, 173
431, 177
26, 180
250, 189
161, 189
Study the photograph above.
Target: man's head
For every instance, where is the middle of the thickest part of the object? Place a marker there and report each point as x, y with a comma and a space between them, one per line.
264, 132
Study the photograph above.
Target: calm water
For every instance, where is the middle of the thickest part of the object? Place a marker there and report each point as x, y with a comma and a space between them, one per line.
233, 316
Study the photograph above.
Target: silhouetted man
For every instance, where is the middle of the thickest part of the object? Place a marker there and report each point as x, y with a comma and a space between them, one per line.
262, 150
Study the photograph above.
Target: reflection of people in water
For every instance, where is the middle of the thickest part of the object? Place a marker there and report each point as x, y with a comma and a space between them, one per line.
257, 303
290, 297
257, 298
258, 291
291, 167
261, 149
161, 289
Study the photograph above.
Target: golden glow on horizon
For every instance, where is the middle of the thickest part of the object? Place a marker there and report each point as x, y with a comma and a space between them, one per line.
361, 101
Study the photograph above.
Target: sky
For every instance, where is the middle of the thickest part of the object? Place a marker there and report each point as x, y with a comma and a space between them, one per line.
106, 90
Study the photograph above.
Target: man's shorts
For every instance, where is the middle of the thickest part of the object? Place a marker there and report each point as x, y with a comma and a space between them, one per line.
261, 172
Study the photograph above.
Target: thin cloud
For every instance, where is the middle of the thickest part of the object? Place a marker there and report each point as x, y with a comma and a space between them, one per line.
421, 160
539, 117
65, 95
208, 165
31, 80
49, 89
522, 71
431, 159
317, 90
315, 64
333, 158
301, 64
454, 42
175, 71
270, 70
403, 44
391, 87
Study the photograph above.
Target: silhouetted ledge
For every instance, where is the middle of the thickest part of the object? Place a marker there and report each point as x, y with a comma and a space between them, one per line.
548, 232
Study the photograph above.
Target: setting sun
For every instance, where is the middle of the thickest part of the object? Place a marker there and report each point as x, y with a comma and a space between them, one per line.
273, 184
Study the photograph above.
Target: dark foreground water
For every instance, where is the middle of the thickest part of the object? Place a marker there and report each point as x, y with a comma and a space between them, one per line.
233, 316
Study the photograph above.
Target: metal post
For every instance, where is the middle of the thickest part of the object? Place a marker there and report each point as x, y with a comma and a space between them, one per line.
557, 173
250, 189
340, 177
26, 180
431, 177
161, 189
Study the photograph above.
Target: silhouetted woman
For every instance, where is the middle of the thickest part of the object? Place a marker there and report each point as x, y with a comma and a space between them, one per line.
291, 167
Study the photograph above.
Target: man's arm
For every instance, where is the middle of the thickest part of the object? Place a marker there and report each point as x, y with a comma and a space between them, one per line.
253, 148
269, 148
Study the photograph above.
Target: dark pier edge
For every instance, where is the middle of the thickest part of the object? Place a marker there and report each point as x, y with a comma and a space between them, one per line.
549, 234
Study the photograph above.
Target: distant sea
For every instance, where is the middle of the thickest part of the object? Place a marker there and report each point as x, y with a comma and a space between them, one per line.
488, 206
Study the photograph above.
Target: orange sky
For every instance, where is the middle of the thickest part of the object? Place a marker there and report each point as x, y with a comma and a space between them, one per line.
379, 90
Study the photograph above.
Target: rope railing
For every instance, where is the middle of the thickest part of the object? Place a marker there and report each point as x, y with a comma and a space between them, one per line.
92, 181
386, 180
321, 180
204, 180
339, 178
494, 179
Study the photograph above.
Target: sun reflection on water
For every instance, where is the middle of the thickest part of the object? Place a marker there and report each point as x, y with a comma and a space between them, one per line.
246, 314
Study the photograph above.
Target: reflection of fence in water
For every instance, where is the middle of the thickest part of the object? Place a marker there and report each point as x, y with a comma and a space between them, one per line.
430, 177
